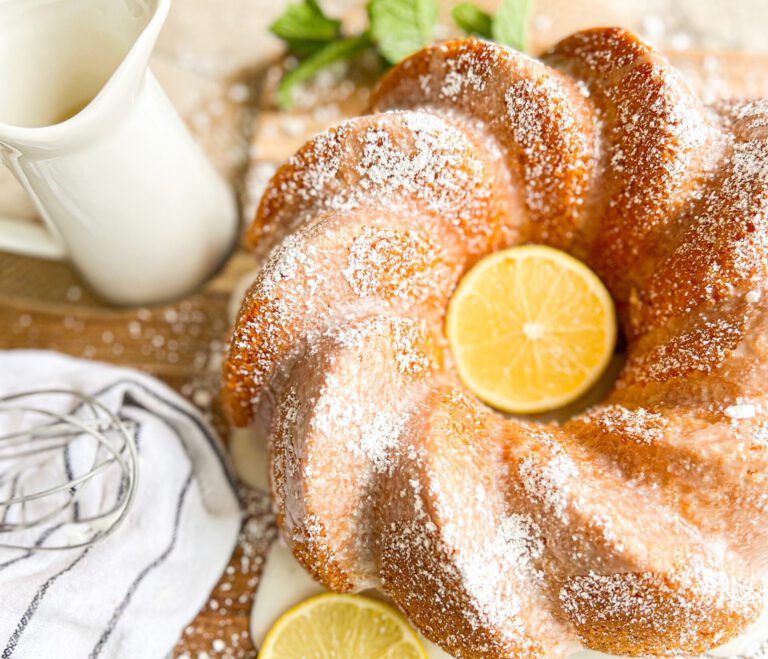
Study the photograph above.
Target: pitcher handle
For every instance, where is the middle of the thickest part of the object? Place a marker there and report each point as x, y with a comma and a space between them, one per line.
29, 239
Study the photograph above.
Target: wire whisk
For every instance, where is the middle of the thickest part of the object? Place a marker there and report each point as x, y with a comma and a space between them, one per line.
67, 479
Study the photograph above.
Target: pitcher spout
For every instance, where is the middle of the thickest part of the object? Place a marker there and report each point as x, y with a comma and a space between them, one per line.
87, 59
152, 14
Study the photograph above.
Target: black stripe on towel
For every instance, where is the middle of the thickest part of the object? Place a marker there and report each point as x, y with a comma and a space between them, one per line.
13, 641
137, 582
43, 537
204, 430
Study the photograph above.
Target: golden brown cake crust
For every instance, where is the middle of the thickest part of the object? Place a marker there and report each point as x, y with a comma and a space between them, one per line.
498, 537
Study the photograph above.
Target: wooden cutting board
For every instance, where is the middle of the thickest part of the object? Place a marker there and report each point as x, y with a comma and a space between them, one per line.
44, 305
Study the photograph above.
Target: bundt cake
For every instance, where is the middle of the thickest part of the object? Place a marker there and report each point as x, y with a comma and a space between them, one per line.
636, 528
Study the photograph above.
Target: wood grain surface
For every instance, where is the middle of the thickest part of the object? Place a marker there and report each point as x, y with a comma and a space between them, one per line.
44, 305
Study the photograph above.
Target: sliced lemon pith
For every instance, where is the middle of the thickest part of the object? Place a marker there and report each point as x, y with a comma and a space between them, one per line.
342, 627
531, 329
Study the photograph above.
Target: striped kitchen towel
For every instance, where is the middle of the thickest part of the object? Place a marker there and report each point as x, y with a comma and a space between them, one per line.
132, 594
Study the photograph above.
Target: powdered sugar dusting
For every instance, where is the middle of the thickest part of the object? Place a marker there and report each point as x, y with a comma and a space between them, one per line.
391, 263
547, 482
671, 605
640, 426
742, 411
464, 75
473, 524
702, 349
377, 431
389, 160
375, 425
525, 121
514, 547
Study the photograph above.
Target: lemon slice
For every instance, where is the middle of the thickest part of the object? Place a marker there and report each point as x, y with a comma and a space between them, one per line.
531, 329
342, 627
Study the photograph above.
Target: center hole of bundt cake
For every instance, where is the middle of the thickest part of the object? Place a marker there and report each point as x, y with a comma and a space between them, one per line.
533, 330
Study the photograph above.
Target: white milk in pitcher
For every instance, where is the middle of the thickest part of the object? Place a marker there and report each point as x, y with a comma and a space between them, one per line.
63, 53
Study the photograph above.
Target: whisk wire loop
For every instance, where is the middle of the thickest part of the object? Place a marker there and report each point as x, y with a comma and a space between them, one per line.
47, 446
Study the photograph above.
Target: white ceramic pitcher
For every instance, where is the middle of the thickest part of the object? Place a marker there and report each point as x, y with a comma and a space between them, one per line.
123, 190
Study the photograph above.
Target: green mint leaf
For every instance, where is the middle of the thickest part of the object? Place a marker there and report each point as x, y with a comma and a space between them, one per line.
304, 22
510, 24
473, 20
303, 48
401, 27
335, 51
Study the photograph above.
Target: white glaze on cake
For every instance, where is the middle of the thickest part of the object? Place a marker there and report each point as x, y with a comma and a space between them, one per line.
636, 527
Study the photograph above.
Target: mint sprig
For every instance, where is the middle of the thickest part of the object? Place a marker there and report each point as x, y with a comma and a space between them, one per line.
334, 51
397, 29
401, 27
305, 28
510, 24
473, 20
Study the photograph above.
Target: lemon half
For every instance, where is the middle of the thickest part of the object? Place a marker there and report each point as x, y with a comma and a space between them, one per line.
333, 626
531, 329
